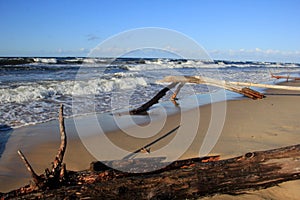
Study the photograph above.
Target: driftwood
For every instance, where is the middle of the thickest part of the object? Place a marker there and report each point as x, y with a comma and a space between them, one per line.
203, 177
238, 87
36, 179
231, 86
278, 87
146, 148
191, 178
181, 80
57, 174
174, 96
142, 109
284, 77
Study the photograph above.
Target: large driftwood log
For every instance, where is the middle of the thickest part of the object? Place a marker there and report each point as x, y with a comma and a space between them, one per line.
181, 80
222, 83
191, 178
231, 86
228, 85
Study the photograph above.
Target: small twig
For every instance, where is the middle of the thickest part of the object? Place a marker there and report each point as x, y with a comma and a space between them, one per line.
174, 96
150, 144
29, 168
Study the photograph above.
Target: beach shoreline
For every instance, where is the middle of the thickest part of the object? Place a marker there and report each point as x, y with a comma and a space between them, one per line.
249, 126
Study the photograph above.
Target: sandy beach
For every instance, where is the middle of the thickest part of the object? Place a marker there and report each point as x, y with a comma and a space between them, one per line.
249, 125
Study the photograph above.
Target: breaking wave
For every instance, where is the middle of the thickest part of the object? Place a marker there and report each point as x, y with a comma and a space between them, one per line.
31, 89
54, 89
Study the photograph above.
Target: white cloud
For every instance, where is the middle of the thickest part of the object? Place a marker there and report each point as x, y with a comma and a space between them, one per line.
258, 50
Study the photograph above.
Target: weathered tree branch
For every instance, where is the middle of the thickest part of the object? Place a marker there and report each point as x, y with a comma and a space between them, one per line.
224, 84
54, 177
174, 96
191, 178
150, 144
35, 177
284, 77
63, 142
228, 85
142, 109
231, 86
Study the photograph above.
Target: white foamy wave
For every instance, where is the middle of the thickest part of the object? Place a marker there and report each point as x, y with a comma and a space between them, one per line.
97, 60
163, 64
282, 65
97, 86
45, 60
125, 74
157, 61
173, 64
53, 90
73, 60
148, 67
25, 93
90, 60
31, 89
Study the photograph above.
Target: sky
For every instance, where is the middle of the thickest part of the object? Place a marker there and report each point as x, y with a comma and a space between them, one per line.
261, 30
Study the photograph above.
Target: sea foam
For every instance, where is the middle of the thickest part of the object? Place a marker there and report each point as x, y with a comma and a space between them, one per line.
31, 89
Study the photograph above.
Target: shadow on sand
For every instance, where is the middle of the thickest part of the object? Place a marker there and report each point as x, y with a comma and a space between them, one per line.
5, 132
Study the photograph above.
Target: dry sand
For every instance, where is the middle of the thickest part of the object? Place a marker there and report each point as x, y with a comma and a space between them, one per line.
249, 126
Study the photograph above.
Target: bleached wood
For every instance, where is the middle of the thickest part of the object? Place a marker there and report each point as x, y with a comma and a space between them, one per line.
231, 85
284, 77
174, 96
279, 87
58, 173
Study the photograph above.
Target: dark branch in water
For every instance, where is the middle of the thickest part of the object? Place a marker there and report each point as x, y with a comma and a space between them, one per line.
142, 109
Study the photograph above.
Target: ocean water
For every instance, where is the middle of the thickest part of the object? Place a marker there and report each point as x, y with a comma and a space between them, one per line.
31, 89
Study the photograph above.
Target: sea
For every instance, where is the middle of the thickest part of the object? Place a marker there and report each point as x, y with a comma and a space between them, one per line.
32, 88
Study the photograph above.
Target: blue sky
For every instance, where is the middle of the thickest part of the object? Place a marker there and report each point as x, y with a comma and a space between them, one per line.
266, 30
